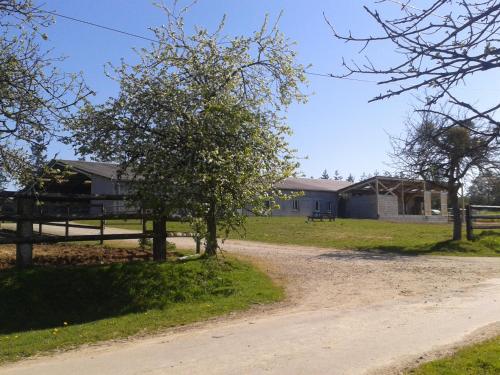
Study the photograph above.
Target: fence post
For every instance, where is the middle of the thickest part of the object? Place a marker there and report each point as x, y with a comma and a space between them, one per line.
468, 223
198, 243
160, 239
66, 232
143, 222
101, 230
24, 228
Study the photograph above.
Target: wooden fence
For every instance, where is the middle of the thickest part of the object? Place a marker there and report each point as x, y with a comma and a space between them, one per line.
481, 217
27, 210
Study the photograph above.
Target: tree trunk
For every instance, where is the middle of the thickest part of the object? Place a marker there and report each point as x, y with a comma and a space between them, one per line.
159, 239
212, 245
457, 219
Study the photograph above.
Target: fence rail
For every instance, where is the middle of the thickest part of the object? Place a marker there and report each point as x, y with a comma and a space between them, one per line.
25, 212
481, 217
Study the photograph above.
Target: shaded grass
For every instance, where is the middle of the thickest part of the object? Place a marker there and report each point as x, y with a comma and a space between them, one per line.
50, 308
357, 234
479, 359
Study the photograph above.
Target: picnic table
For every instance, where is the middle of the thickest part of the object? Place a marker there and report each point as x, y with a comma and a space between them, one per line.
321, 216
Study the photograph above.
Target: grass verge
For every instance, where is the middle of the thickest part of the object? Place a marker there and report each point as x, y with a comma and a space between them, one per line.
479, 359
51, 308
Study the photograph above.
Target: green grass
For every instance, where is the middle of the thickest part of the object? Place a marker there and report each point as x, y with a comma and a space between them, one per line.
407, 238
479, 359
44, 309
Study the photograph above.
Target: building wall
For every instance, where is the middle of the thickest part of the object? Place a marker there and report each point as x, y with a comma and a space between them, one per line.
307, 204
102, 185
362, 206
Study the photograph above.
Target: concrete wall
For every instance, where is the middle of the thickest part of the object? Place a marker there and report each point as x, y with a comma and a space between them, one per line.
416, 219
387, 205
307, 204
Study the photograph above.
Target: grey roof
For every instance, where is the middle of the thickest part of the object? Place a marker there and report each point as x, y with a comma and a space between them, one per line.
110, 170
314, 184
97, 168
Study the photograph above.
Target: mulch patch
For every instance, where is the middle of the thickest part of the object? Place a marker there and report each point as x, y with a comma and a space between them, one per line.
72, 254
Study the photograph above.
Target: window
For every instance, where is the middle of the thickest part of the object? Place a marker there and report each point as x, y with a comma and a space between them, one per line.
317, 206
295, 204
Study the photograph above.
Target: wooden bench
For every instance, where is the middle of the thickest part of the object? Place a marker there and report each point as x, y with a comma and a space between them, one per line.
321, 216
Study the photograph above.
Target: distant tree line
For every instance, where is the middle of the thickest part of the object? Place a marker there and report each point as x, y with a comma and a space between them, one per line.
351, 178
485, 189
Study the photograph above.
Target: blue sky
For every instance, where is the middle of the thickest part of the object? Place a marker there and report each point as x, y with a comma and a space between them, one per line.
336, 129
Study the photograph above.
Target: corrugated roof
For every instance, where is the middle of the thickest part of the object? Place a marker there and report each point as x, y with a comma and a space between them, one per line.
315, 184
108, 170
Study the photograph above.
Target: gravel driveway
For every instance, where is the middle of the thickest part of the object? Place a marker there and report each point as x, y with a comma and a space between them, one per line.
347, 312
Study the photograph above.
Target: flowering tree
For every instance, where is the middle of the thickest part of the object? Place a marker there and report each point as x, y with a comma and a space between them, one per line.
199, 123
34, 96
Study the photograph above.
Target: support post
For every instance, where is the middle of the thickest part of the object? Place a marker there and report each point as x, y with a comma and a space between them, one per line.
160, 239
403, 196
24, 228
468, 223
444, 203
427, 201
376, 192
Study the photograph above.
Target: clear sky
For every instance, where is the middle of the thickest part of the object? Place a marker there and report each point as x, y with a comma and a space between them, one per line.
336, 129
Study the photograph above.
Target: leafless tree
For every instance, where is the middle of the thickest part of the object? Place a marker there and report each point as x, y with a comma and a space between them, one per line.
441, 47
439, 150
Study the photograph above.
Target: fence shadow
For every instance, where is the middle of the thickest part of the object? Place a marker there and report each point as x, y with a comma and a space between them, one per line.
45, 297
382, 254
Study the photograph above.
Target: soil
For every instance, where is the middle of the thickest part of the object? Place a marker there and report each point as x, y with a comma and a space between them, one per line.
71, 254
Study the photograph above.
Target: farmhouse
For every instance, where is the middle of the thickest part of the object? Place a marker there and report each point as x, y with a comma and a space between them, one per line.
378, 197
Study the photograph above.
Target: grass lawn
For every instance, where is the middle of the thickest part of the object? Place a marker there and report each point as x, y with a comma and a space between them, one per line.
409, 238
479, 359
49, 308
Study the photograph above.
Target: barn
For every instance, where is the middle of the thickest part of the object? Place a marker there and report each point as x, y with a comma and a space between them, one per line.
378, 197
86, 177
318, 195
397, 199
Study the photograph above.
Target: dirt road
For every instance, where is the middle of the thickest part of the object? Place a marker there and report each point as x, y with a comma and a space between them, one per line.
348, 313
